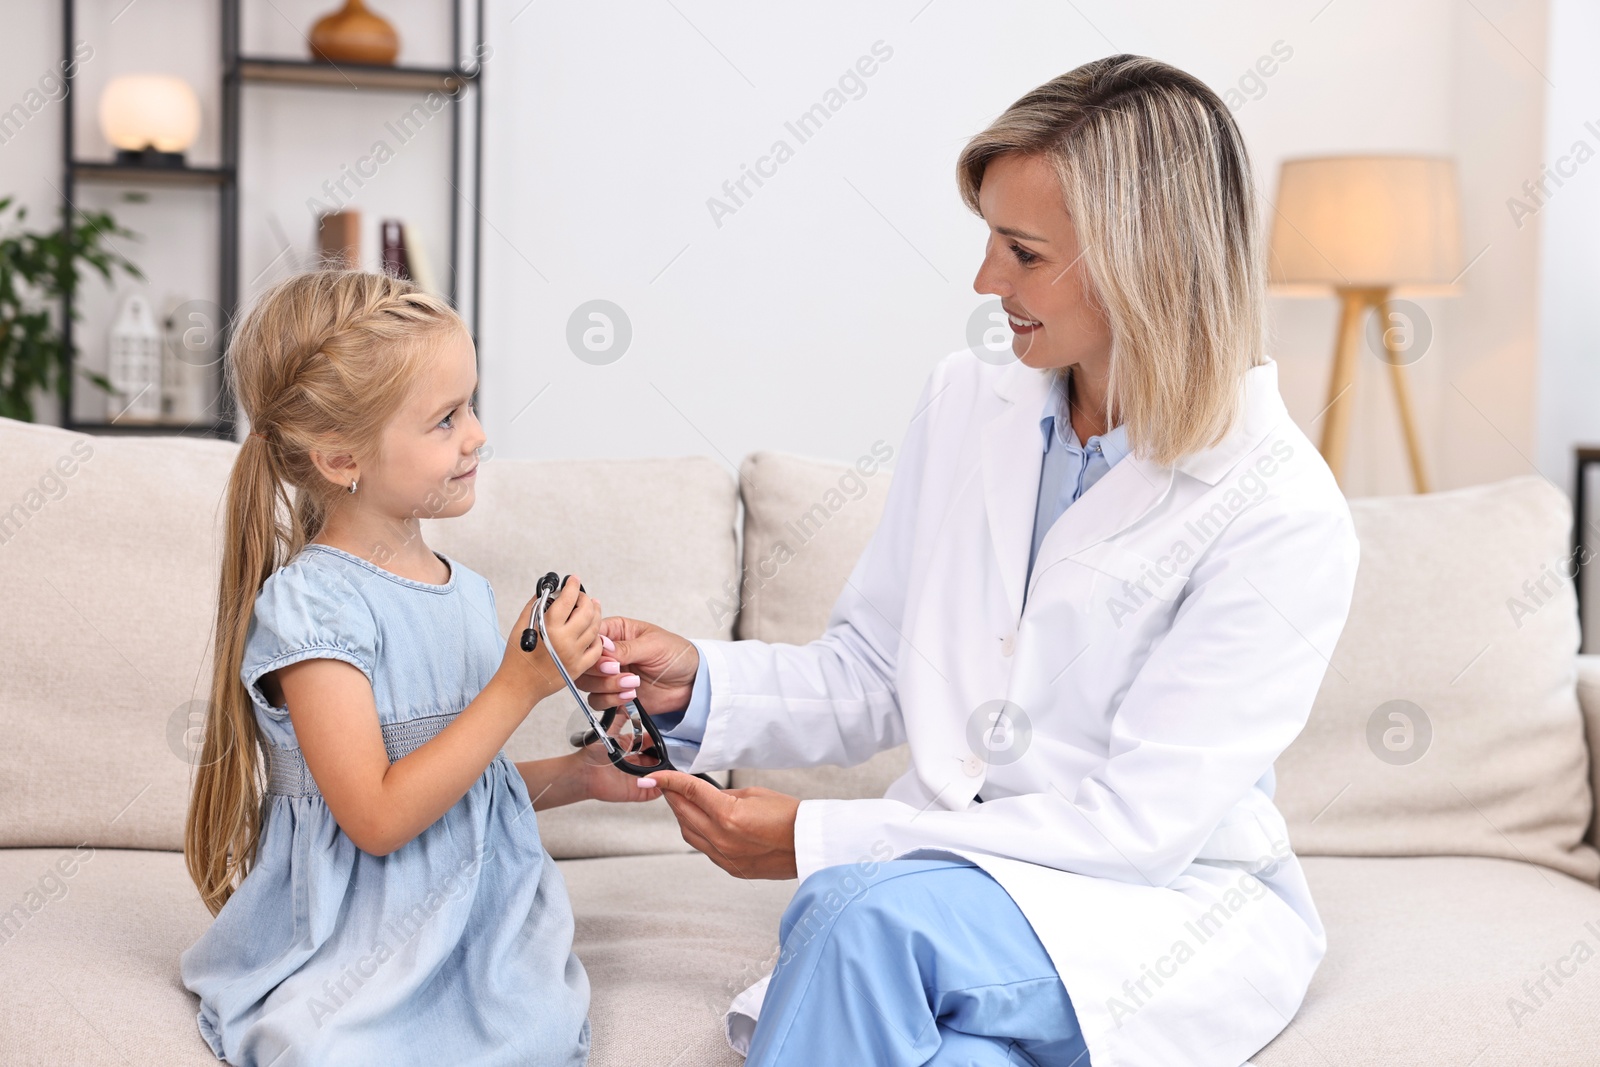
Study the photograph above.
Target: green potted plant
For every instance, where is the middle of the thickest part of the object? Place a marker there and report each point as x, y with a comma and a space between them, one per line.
36, 271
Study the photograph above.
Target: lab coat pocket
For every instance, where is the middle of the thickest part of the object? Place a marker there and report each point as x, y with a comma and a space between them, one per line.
1123, 572
1126, 587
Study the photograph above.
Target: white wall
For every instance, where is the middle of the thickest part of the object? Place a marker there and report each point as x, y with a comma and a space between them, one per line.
1568, 210
30, 170
808, 319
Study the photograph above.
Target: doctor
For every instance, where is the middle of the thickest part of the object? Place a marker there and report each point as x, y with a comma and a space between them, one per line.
1101, 600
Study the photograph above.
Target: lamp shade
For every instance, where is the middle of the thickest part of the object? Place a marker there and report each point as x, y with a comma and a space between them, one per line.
1366, 221
139, 111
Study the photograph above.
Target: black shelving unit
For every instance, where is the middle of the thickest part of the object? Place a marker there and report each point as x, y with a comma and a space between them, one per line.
1584, 457
240, 70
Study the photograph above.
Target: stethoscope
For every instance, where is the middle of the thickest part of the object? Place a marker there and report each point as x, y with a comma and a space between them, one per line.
545, 591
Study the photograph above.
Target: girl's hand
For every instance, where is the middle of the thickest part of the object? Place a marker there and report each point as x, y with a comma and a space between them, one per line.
573, 622
602, 781
583, 775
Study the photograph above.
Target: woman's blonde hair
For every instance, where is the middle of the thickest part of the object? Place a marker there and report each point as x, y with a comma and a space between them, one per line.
1157, 182
323, 361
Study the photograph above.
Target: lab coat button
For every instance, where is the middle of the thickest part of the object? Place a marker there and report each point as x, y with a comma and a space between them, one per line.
1008, 644
973, 766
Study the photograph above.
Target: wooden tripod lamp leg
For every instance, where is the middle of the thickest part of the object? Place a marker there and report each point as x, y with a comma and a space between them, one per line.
1402, 397
1336, 417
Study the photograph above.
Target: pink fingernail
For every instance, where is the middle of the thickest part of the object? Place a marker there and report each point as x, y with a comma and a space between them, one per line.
611, 666
628, 695
629, 681
605, 643
647, 783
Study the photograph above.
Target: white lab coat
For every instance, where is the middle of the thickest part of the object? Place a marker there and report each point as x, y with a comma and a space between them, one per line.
1177, 627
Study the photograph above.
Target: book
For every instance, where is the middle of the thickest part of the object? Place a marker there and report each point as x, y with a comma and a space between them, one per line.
417, 260
393, 250
339, 239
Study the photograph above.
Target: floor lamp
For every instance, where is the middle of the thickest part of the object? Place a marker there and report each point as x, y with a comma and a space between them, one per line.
1369, 228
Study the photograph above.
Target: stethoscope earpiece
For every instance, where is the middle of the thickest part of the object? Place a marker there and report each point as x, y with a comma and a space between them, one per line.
546, 589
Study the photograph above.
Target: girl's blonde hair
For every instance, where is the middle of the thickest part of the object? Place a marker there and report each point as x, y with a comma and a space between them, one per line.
1157, 182
323, 361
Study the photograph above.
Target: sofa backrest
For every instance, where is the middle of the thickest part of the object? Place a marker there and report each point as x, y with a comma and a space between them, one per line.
107, 570
1448, 721
667, 558
1463, 624
806, 522
109, 554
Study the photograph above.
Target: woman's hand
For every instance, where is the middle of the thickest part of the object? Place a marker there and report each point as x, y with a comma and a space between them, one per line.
657, 663
573, 622
747, 832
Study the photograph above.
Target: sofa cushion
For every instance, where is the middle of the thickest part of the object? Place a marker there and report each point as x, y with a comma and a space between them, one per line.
663, 561
1448, 721
668, 942
1430, 960
89, 944
806, 522
109, 560
108, 549
1589, 699
1447, 960
92, 972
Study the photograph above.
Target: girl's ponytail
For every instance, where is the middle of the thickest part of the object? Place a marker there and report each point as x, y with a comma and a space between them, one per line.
224, 820
323, 361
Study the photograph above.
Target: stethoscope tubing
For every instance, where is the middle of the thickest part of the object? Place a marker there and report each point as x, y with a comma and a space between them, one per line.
599, 728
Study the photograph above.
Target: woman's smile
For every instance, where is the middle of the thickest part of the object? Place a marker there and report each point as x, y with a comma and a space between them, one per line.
1021, 323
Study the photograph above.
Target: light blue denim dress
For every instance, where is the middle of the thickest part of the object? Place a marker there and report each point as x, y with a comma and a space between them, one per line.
456, 948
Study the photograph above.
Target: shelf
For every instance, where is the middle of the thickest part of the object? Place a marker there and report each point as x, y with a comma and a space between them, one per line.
351, 75
171, 429
89, 171
236, 72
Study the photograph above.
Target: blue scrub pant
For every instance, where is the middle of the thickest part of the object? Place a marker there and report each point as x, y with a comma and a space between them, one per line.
920, 963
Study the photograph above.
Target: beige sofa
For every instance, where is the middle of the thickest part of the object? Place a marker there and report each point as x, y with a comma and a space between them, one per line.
1458, 888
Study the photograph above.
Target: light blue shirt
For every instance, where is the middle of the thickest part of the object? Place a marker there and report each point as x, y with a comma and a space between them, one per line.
1070, 469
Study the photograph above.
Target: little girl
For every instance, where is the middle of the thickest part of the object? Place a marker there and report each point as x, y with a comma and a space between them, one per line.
388, 899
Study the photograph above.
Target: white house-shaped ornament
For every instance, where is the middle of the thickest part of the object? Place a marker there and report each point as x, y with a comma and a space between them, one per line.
134, 363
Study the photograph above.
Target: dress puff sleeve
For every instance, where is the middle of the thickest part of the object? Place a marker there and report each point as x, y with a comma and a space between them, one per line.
304, 612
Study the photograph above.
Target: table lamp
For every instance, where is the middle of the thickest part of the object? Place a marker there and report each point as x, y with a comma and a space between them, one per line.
1368, 228
150, 119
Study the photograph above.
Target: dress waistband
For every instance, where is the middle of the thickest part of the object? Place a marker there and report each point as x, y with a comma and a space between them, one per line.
287, 773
